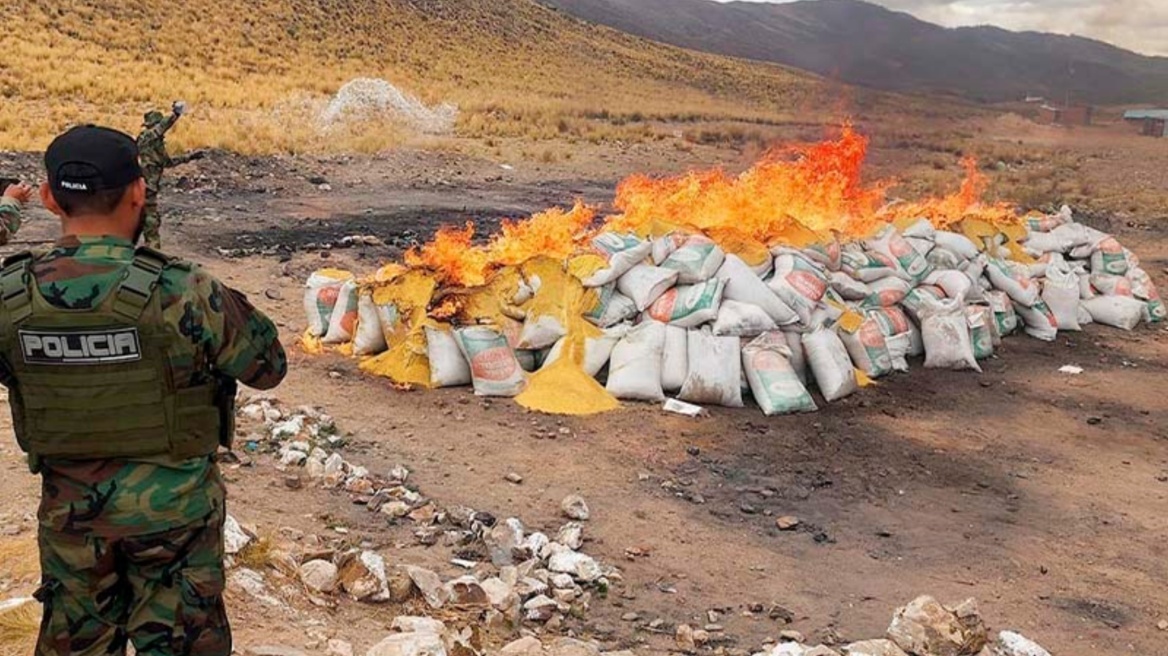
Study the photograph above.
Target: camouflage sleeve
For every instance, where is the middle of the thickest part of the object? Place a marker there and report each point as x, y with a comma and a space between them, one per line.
9, 219
239, 340
167, 124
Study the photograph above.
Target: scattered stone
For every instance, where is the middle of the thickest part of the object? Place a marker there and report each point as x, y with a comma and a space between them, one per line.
338, 648
503, 540
1094, 421
537, 545
319, 576
429, 585
273, 650
630, 617
791, 636
582, 567
821, 650
399, 474
525, 646
713, 616
540, 608
362, 577
562, 581
293, 482
1162, 625
409, 644
787, 523
574, 507
499, 594
573, 647
714, 628
466, 591
927, 627
701, 637
530, 587
513, 478
1015, 644
571, 535
234, 539
293, 458
874, 648
684, 637
416, 624
396, 509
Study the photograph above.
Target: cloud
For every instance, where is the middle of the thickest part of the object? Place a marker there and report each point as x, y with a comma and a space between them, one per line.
1138, 25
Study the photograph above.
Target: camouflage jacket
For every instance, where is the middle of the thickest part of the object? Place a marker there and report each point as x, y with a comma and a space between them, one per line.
217, 330
152, 152
9, 219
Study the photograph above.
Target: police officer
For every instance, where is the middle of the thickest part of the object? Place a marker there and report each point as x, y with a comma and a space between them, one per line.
121, 365
155, 160
13, 200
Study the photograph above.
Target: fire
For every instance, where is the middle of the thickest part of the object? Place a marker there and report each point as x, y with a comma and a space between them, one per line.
795, 195
452, 257
553, 233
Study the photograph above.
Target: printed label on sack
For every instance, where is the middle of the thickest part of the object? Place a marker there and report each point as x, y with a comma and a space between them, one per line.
491, 361
60, 347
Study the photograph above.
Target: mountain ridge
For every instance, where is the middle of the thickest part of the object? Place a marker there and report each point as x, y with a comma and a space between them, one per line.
868, 45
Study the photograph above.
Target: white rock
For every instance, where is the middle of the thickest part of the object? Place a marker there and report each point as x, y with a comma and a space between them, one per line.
582, 567
319, 576
430, 586
252, 582
253, 411
574, 507
562, 581
573, 647
525, 646
363, 577
874, 648
339, 648
502, 541
234, 539
530, 587
418, 624
788, 649
293, 458
409, 644
536, 544
313, 468
571, 535
1015, 644
499, 594
684, 637
288, 429
399, 474
301, 446
540, 609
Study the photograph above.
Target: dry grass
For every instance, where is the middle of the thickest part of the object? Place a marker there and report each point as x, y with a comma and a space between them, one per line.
19, 559
254, 75
18, 629
257, 555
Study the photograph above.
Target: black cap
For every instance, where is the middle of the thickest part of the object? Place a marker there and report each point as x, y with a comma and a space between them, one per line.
88, 159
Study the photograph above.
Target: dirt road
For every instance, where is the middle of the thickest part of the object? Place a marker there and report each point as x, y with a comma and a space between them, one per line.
1042, 494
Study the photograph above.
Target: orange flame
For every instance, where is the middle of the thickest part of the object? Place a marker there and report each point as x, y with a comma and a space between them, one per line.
553, 233
452, 257
794, 195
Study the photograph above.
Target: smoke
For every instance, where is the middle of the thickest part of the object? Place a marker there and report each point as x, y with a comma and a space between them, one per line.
371, 98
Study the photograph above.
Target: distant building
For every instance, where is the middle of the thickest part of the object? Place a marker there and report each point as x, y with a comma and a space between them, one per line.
1152, 122
1072, 115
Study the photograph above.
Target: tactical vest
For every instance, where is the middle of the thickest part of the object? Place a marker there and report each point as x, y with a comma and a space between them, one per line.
97, 383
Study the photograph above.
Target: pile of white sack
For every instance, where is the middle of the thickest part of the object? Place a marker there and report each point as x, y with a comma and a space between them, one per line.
681, 317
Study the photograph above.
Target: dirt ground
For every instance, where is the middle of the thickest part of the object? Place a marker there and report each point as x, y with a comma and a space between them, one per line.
1042, 494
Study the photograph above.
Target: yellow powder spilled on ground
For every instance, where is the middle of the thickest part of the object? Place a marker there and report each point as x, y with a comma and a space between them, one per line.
564, 388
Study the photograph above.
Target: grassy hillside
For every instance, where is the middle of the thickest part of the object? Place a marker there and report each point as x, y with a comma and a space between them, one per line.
255, 78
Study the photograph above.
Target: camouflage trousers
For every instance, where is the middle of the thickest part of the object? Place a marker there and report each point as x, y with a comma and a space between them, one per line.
152, 224
163, 592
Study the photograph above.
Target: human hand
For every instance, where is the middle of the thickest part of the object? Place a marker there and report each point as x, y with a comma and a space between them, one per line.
20, 192
179, 107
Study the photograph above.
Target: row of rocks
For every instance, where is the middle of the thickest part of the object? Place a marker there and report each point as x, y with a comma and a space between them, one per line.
530, 577
924, 627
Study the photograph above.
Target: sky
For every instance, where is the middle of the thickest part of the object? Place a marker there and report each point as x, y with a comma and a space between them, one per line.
1140, 25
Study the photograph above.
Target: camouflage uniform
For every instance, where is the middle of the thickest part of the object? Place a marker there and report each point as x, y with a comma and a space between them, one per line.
9, 219
132, 550
154, 160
